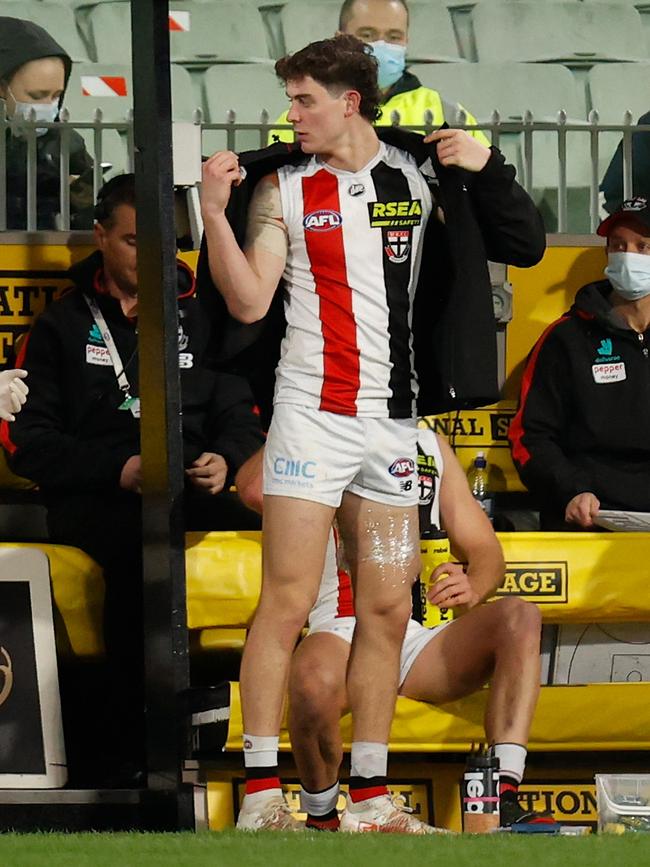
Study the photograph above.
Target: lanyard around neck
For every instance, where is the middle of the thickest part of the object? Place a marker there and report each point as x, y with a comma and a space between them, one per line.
116, 361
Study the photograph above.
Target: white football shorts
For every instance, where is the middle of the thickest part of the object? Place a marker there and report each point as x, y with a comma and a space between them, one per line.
415, 640
316, 455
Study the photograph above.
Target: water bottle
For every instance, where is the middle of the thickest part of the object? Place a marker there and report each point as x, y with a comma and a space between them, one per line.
434, 550
477, 478
481, 794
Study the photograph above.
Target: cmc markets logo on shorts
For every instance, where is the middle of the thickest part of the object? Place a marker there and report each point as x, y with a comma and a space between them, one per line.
537, 582
294, 468
322, 221
402, 467
6, 676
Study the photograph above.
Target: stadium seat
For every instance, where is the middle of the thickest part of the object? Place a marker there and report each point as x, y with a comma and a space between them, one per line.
58, 20
613, 89
246, 89
513, 88
109, 87
306, 22
571, 33
431, 32
201, 33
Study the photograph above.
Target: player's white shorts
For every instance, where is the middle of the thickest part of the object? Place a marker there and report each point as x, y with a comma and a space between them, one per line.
416, 639
316, 455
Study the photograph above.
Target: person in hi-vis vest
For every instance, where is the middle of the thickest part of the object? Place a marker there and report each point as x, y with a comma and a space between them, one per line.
383, 24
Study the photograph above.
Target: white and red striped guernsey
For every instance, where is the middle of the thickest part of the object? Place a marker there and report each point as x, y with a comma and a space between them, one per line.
335, 598
354, 256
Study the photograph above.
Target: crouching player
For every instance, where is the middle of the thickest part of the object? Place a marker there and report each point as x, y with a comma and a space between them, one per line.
499, 643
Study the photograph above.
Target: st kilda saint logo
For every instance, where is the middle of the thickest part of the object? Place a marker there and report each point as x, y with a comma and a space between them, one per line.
6, 676
398, 245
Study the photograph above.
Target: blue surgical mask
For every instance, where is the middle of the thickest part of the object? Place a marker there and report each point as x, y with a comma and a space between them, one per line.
44, 111
391, 59
629, 274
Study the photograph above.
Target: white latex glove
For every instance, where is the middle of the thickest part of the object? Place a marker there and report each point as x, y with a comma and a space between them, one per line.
13, 393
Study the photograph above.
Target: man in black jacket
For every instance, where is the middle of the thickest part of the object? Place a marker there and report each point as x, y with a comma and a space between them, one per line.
346, 219
79, 435
581, 437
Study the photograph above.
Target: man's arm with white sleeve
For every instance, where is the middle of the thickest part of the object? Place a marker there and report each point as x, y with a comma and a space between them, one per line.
247, 279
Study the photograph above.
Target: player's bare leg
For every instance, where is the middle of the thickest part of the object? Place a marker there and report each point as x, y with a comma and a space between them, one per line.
499, 643
381, 544
317, 700
291, 575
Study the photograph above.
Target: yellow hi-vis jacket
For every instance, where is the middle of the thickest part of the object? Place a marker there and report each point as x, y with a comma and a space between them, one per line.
411, 105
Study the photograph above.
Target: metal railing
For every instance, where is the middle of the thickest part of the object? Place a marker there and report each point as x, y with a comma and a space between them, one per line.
524, 139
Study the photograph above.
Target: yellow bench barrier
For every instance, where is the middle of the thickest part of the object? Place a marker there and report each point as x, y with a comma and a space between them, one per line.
78, 593
603, 716
573, 577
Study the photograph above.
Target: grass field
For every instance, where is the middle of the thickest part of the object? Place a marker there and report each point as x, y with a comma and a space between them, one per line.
232, 849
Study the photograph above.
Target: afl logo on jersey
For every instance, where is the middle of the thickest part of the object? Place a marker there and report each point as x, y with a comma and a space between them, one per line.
322, 221
402, 467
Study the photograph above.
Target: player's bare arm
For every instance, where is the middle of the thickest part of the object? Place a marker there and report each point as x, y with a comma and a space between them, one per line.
473, 542
246, 279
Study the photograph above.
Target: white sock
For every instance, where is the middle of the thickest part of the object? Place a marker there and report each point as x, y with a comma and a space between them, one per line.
368, 759
260, 752
512, 760
319, 803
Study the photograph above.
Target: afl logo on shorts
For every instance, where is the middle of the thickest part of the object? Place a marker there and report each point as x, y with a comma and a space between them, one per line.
402, 467
322, 221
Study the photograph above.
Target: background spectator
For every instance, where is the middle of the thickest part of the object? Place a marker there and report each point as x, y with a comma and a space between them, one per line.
581, 436
79, 435
34, 72
612, 183
383, 24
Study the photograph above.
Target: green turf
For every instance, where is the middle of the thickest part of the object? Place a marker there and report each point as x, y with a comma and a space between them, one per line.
316, 850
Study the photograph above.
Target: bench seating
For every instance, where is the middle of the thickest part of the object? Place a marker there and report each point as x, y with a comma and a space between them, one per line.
594, 717
573, 577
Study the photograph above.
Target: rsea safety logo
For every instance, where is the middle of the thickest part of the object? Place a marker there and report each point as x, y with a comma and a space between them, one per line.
537, 582
322, 221
395, 215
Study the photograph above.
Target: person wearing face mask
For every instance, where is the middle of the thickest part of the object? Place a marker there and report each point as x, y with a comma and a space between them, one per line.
34, 72
383, 25
581, 437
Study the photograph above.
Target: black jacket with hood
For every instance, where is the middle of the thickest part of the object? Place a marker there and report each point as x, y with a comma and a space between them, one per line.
487, 216
583, 422
71, 435
20, 42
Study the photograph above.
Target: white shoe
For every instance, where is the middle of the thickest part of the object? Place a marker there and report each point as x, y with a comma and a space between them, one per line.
386, 814
271, 814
